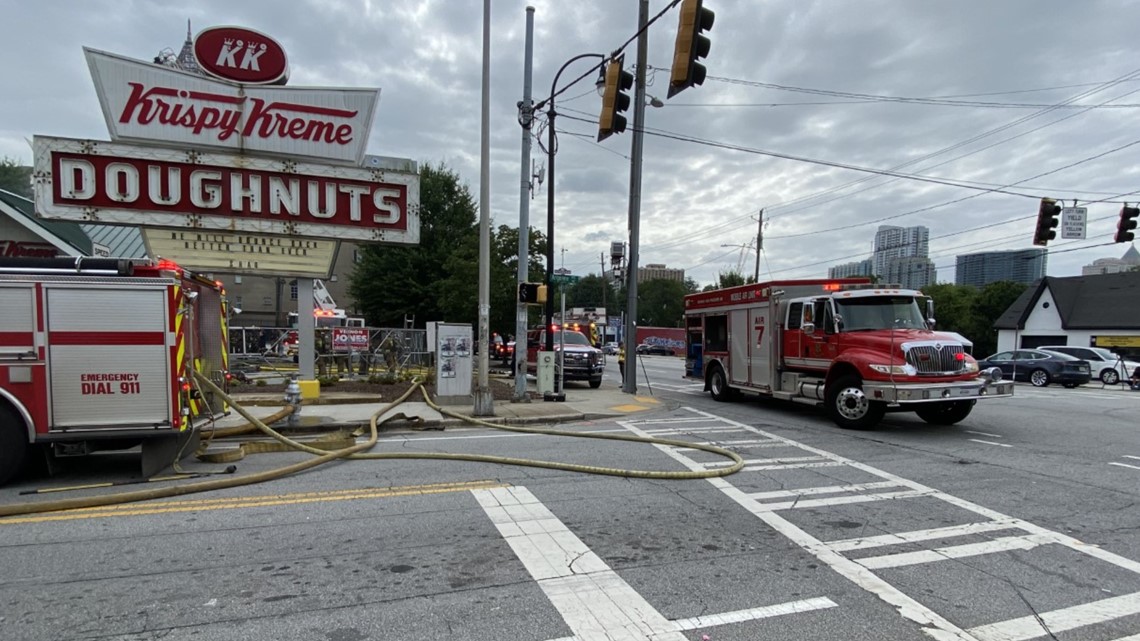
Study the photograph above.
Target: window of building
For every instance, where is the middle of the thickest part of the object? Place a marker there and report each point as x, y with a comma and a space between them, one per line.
237, 280
293, 291
238, 302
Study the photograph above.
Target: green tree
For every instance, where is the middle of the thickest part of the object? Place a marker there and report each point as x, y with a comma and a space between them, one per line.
15, 177
730, 279
660, 303
439, 278
972, 312
504, 276
590, 291
391, 282
990, 304
953, 307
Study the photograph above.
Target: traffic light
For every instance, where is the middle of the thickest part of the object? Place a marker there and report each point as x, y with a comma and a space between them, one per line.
1126, 225
691, 45
1046, 221
614, 99
532, 293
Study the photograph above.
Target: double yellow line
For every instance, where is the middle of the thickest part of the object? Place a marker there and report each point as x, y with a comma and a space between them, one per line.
242, 502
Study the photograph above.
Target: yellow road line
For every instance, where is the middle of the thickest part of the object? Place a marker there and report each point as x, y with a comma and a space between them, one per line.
169, 507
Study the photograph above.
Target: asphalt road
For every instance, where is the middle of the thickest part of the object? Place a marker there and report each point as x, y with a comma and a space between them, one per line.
1018, 523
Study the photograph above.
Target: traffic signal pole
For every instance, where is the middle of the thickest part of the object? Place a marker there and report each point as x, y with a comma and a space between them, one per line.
630, 384
550, 115
526, 118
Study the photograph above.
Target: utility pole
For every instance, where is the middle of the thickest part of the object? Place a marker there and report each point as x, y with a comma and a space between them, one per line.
526, 118
484, 400
759, 245
630, 385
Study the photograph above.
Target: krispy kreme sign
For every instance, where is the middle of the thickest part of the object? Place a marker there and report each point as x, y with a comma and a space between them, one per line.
147, 102
113, 183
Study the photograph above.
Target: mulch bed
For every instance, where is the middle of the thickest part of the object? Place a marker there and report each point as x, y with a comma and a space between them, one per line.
501, 390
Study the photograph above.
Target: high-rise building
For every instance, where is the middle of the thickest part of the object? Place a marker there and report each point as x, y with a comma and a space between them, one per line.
910, 272
1017, 265
898, 242
654, 271
1128, 262
847, 270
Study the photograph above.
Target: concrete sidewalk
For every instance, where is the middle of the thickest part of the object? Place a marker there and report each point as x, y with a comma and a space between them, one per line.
335, 410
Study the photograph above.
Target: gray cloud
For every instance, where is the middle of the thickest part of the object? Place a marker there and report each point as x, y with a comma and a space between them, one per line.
426, 58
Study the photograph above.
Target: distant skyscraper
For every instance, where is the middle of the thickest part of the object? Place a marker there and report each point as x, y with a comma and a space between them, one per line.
898, 242
847, 270
1017, 265
654, 271
1128, 262
910, 272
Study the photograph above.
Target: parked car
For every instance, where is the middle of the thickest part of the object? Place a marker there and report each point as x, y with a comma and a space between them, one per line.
610, 348
1106, 365
646, 348
1040, 367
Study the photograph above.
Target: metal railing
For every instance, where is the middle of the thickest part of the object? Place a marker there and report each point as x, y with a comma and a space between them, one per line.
273, 346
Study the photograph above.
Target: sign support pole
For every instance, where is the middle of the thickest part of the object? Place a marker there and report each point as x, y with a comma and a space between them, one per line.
306, 343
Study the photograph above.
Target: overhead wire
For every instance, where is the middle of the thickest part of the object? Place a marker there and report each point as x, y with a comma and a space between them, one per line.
905, 99
776, 206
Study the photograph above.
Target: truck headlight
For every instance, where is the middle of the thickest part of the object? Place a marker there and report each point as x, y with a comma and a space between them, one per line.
895, 370
971, 365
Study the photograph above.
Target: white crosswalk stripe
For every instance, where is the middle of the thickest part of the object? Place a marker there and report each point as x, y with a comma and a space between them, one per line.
861, 571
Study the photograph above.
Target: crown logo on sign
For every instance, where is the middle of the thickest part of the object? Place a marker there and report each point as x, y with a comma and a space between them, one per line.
229, 41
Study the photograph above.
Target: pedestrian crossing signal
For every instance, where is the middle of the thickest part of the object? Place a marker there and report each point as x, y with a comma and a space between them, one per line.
532, 293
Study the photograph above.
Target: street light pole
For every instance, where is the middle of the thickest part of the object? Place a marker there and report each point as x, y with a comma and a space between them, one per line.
550, 115
630, 384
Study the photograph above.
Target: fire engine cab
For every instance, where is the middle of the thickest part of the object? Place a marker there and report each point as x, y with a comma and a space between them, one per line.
99, 353
859, 349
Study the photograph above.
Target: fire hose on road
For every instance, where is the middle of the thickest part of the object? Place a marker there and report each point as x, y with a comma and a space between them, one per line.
358, 451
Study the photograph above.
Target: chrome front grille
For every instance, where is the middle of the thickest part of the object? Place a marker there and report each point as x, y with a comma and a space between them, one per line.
935, 357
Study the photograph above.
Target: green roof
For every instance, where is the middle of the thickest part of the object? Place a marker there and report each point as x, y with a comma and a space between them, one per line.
66, 231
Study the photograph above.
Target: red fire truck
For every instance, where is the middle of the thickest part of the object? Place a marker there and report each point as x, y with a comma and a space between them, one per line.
98, 354
859, 349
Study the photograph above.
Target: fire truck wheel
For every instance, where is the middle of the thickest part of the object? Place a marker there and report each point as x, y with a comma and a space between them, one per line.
849, 406
595, 383
719, 386
945, 413
13, 444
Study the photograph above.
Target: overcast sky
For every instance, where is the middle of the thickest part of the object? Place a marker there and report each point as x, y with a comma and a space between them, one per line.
425, 56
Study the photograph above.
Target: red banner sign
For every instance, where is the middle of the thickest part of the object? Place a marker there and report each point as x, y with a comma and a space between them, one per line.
348, 339
126, 184
241, 55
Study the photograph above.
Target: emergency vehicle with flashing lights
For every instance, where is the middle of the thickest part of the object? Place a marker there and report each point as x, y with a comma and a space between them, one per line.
325, 315
98, 353
579, 359
858, 349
